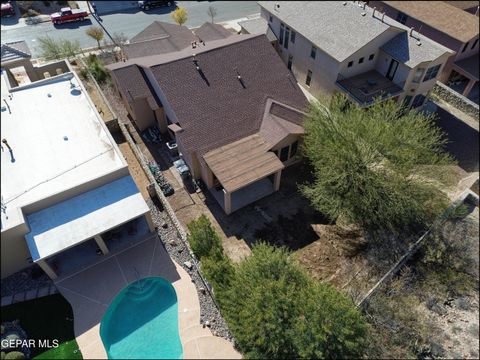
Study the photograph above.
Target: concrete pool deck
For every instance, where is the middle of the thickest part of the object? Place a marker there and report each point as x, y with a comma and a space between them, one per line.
91, 290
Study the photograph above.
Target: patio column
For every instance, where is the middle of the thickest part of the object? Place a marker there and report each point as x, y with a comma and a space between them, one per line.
151, 226
276, 181
48, 270
469, 87
227, 198
101, 244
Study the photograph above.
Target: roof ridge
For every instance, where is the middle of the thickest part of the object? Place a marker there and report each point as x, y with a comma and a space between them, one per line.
19, 52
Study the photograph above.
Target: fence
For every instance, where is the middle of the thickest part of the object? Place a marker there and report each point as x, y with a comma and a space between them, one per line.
413, 249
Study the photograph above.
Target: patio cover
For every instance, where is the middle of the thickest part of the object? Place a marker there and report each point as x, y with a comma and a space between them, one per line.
80, 218
242, 162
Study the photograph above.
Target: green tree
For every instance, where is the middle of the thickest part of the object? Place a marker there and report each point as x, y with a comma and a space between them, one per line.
96, 33
58, 49
180, 15
203, 238
275, 310
381, 168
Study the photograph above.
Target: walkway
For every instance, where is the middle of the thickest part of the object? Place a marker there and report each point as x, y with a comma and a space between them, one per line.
91, 290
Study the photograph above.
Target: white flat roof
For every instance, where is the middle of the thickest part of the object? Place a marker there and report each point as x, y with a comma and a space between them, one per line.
57, 142
80, 218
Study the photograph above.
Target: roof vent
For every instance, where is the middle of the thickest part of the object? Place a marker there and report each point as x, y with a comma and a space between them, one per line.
363, 13
418, 43
277, 7
344, 3
383, 15
49, 95
411, 31
65, 138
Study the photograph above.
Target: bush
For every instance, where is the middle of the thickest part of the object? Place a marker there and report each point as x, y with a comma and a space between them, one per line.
287, 314
15, 355
219, 272
203, 239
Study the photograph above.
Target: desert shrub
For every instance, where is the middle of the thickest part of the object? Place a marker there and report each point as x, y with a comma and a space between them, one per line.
203, 239
286, 313
219, 272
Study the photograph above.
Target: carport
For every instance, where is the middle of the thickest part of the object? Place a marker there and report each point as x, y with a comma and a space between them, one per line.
243, 168
84, 217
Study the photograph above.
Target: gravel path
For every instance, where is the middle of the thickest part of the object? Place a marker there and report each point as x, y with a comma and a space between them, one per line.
180, 253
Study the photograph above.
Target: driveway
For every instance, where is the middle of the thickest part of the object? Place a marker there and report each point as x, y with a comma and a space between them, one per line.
91, 291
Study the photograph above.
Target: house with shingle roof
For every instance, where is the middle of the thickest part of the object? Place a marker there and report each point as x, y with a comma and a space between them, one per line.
230, 103
455, 25
333, 46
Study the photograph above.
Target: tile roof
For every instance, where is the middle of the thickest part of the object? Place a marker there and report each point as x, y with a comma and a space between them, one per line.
339, 30
14, 51
212, 106
209, 32
159, 38
464, 5
406, 49
444, 17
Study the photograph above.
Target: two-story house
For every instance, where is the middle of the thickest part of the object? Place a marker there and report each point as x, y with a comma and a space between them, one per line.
335, 46
450, 23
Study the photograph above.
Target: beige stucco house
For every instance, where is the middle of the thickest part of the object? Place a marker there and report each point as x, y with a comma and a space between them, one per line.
230, 103
64, 182
333, 46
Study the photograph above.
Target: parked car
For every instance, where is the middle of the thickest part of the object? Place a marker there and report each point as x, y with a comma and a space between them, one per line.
7, 9
147, 5
67, 14
182, 168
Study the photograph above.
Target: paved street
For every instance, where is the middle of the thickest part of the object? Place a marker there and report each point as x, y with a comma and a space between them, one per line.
127, 19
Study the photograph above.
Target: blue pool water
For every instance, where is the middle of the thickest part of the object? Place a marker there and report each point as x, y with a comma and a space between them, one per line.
142, 322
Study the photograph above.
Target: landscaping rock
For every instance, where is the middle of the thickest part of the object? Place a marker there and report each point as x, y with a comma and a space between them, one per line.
188, 264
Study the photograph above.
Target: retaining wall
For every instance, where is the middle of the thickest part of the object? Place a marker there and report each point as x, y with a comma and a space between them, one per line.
456, 99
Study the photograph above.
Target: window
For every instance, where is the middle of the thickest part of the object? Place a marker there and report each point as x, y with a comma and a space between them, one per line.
406, 100
418, 100
270, 18
465, 47
292, 37
418, 75
370, 58
402, 18
284, 154
282, 29
313, 52
290, 60
293, 149
287, 35
360, 60
350, 63
431, 73
309, 78
474, 43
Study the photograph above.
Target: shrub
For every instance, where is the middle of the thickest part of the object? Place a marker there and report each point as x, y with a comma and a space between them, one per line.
99, 72
203, 239
287, 314
15, 355
219, 273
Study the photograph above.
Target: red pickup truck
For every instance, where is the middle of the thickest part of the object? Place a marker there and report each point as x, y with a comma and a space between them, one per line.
67, 14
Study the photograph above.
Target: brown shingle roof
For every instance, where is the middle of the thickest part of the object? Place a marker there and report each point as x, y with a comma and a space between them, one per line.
134, 85
439, 15
159, 38
210, 32
464, 5
212, 107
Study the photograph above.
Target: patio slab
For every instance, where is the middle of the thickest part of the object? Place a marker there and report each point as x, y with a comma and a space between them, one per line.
91, 291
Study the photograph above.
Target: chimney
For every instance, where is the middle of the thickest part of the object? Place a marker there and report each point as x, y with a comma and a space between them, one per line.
373, 13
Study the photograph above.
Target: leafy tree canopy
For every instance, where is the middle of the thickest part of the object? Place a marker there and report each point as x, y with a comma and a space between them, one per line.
381, 167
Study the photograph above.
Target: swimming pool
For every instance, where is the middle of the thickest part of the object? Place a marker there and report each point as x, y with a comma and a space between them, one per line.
142, 322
